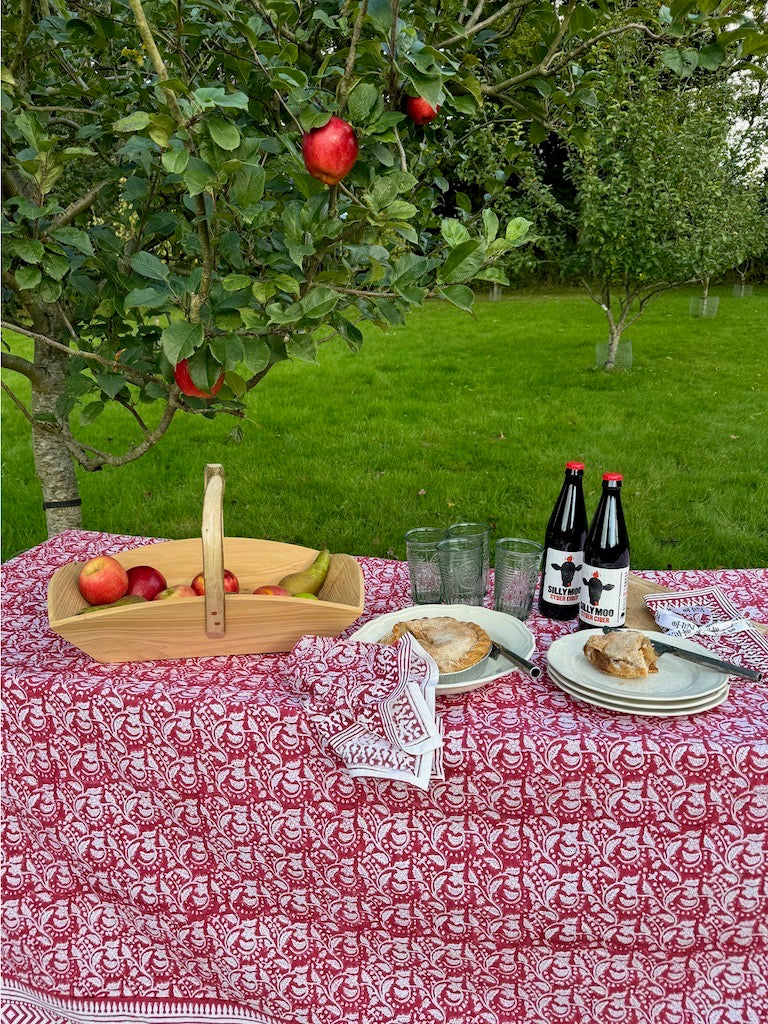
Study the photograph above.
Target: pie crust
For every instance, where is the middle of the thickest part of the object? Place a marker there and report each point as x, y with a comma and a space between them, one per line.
453, 644
625, 653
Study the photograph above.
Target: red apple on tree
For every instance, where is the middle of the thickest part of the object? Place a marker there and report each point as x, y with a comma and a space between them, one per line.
231, 583
175, 592
273, 590
103, 580
419, 111
183, 378
146, 581
330, 151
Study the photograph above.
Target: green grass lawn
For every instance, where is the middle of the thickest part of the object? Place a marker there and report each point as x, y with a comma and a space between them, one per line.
455, 418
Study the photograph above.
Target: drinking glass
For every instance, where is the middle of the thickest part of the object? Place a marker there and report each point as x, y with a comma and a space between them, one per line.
461, 569
423, 566
516, 573
483, 531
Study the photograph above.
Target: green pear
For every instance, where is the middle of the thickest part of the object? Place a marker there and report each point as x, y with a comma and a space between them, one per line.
309, 580
307, 597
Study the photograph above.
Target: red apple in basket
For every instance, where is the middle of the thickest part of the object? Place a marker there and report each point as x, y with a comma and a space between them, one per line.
231, 583
183, 378
146, 581
273, 590
103, 580
175, 592
419, 111
330, 151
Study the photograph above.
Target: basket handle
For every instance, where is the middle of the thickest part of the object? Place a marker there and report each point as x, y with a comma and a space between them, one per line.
213, 550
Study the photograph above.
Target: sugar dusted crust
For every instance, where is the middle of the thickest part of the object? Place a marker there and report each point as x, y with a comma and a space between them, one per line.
625, 653
454, 645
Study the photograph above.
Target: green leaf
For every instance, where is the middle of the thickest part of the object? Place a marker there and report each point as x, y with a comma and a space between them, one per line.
464, 262
134, 122
148, 265
218, 97
198, 176
262, 291
28, 277
175, 160
362, 100
380, 13
55, 265
491, 225
302, 347
224, 133
91, 412
227, 348
401, 210
76, 238
516, 229
180, 339
460, 295
247, 190
236, 282
385, 190
318, 302
453, 231
27, 249
682, 61
110, 383
256, 355
147, 298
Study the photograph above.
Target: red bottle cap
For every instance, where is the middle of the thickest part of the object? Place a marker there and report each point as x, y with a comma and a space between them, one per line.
574, 465
612, 476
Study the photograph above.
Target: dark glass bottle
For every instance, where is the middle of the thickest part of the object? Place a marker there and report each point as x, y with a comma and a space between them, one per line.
605, 579
564, 549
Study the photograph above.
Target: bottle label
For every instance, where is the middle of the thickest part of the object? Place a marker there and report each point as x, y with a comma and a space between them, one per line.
603, 599
561, 584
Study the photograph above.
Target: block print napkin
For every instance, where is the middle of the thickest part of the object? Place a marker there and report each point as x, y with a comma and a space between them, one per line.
372, 705
709, 616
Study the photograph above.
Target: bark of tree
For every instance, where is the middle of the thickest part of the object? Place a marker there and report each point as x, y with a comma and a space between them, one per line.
54, 464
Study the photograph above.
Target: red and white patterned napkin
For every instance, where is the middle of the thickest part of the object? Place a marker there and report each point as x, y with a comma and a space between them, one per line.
372, 705
710, 616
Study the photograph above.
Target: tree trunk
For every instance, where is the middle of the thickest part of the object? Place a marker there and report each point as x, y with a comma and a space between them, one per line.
614, 337
54, 466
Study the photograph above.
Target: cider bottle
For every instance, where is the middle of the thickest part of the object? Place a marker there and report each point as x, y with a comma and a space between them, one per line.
564, 549
605, 578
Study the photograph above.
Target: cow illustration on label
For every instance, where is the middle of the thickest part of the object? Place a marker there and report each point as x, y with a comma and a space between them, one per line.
595, 587
567, 570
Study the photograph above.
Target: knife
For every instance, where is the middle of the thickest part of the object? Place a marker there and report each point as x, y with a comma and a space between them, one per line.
527, 666
698, 659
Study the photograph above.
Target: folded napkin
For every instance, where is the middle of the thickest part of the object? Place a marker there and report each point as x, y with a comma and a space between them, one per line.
372, 705
710, 616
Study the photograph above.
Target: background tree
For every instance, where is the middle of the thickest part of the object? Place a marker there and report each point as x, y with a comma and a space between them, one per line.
659, 196
157, 209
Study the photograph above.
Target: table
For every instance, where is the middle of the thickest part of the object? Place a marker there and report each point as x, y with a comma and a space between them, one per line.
177, 846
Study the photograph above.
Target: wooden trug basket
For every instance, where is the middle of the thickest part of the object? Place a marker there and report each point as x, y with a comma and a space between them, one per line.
216, 623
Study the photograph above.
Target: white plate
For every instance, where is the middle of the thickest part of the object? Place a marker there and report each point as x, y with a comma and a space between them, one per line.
505, 629
672, 710
675, 680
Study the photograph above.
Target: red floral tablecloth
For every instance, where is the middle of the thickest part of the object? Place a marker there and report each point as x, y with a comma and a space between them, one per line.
177, 846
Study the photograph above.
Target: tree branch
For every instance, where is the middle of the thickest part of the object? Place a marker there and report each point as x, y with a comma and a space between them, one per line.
134, 376
76, 207
474, 26
20, 405
11, 361
78, 450
154, 54
349, 67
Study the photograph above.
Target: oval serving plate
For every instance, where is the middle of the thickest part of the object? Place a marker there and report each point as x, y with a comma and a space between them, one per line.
505, 629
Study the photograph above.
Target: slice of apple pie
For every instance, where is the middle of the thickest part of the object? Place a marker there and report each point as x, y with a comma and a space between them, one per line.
453, 644
625, 653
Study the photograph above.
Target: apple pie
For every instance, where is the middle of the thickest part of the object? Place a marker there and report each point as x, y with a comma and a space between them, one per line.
454, 645
625, 653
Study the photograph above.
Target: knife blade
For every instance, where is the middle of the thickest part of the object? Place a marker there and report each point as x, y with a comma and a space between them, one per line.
698, 659
522, 663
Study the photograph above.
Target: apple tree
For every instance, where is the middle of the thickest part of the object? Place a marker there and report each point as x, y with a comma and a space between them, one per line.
170, 232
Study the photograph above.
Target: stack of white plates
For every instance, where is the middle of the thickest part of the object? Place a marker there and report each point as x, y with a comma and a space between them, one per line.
678, 688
